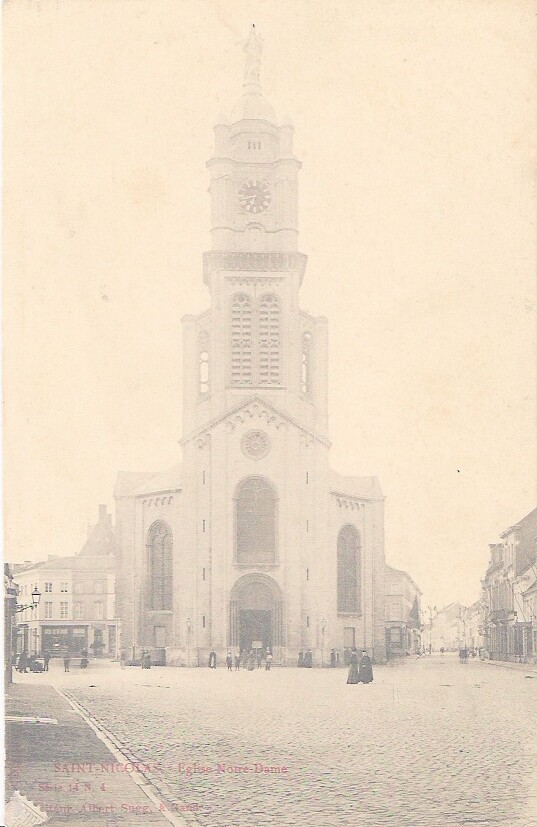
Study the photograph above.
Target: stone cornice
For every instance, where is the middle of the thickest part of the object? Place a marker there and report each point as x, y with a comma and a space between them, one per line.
259, 262
353, 501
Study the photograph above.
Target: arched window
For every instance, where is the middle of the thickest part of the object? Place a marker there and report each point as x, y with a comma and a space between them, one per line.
255, 523
305, 379
241, 340
160, 548
348, 570
203, 363
269, 340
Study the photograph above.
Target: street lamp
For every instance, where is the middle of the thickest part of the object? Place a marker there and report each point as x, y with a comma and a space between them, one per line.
36, 597
323, 624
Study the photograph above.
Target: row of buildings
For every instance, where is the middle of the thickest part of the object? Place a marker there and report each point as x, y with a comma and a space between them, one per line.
454, 627
502, 624
76, 611
509, 594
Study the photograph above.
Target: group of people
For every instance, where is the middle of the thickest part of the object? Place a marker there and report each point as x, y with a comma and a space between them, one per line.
32, 663
36, 663
250, 660
360, 671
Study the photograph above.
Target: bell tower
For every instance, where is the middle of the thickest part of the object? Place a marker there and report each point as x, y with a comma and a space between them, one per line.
253, 172
254, 340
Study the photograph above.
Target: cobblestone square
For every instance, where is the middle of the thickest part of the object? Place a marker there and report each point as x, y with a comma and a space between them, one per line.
431, 742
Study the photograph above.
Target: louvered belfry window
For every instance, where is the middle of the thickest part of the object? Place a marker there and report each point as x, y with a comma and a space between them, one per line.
269, 340
255, 340
241, 340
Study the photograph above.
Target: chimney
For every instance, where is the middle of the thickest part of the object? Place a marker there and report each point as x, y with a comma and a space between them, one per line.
103, 514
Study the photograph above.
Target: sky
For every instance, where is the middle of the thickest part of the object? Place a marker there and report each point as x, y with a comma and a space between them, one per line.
417, 209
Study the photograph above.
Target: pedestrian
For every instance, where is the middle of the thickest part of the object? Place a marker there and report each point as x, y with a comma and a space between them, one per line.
46, 659
22, 665
212, 660
365, 671
238, 661
229, 661
66, 660
352, 677
251, 661
268, 662
146, 660
332, 658
300, 659
122, 658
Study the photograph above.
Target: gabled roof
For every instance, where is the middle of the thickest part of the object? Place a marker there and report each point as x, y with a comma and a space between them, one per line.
129, 481
400, 574
169, 480
95, 563
102, 538
264, 408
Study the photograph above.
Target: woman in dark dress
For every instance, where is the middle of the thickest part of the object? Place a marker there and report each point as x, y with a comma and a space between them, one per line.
353, 667
365, 673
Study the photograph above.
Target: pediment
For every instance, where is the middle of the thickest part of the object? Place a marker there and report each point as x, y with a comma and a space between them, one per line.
254, 409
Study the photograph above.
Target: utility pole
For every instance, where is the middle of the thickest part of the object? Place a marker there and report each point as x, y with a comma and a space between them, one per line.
431, 610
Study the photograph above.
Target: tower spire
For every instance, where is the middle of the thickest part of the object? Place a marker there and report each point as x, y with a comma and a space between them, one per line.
253, 48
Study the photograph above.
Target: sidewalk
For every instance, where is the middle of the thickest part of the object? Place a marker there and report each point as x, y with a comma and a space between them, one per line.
62, 766
529, 668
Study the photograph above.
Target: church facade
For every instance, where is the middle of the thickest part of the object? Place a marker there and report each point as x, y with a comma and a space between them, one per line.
252, 541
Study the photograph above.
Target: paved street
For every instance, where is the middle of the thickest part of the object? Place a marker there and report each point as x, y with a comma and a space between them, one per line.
431, 742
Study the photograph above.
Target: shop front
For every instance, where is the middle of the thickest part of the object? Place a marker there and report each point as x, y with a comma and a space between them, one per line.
57, 640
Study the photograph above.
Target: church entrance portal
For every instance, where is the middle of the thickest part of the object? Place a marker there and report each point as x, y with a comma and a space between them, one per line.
255, 613
255, 627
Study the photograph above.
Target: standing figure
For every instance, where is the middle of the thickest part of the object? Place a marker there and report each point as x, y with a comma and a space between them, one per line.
251, 661
66, 660
268, 662
212, 660
365, 672
332, 658
353, 667
300, 659
46, 659
22, 665
238, 661
229, 661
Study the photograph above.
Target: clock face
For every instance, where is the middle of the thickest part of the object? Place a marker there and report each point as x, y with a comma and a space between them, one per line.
254, 196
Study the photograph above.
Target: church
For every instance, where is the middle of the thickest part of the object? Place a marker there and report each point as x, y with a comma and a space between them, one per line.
252, 541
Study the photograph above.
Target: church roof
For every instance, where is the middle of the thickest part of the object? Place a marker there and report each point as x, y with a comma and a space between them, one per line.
364, 488
133, 483
129, 481
169, 480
